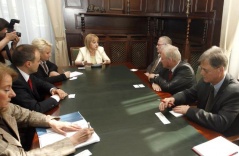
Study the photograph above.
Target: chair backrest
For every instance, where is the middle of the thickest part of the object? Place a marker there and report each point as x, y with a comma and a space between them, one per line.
74, 52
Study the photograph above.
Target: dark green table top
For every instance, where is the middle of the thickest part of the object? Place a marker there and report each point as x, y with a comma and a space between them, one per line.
124, 116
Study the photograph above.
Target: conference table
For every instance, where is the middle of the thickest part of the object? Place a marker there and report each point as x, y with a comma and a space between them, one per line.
124, 116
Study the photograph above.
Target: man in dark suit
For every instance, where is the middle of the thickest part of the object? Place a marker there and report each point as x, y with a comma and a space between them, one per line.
175, 74
156, 66
216, 94
32, 94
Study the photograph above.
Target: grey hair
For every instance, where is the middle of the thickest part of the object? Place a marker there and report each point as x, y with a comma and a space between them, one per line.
215, 57
172, 52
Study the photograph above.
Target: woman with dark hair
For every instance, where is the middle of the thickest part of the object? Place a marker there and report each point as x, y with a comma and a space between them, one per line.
5, 38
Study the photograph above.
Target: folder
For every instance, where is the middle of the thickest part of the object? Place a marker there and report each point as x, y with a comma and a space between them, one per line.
218, 146
47, 136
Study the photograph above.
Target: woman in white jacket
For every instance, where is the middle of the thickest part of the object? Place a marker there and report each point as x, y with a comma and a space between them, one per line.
92, 53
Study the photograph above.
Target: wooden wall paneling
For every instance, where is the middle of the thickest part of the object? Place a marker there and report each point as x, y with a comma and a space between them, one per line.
174, 7
151, 18
118, 50
153, 6
139, 53
136, 6
116, 6
98, 3
200, 6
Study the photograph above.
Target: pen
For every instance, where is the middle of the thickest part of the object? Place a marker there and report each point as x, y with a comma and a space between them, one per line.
233, 154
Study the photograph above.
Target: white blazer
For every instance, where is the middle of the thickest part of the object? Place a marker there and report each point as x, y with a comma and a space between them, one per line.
84, 55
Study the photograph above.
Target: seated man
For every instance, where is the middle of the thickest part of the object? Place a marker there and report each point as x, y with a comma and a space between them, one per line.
30, 90
176, 75
13, 116
216, 96
156, 66
47, 70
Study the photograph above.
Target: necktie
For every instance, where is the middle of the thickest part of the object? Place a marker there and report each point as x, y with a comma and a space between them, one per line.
210, 99
30, 83
155, 64
45, 67
170, 75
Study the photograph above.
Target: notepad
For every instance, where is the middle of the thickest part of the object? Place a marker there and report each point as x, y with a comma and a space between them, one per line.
75, 73
47, 136
218, 146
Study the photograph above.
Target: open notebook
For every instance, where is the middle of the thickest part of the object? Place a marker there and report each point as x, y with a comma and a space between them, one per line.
47, 136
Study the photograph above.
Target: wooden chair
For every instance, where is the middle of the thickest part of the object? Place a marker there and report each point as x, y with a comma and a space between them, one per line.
74, 52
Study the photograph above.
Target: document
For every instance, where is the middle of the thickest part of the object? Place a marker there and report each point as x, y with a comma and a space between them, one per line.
218, 146
75, 73
48, 136
176, 114
162, 118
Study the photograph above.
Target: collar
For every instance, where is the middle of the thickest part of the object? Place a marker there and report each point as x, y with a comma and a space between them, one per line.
25, 75
175, 67
218, 85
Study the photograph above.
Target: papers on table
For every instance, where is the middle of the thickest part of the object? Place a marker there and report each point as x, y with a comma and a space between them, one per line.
218, 146
47, 136
138, 86
175, 114
84, 153
133, 70
162, 118
75, 73
71, 96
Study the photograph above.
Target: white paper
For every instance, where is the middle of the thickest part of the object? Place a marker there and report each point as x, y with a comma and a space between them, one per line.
136, 86
175, 114
133, 70
218, 146
73, 78
51, 136
75, 73
71, 96
141, 86
162, 118
84, 153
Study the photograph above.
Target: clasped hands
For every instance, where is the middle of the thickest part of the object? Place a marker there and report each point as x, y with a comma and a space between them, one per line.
86, 63
80, 136
59, 92
169, 102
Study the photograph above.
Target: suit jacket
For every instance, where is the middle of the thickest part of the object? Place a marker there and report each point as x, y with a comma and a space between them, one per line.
45, 76
183, 78
11, 146
32, 99
84, 55
223, 116
158, 69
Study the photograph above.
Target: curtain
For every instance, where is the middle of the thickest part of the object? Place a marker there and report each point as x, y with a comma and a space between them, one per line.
35, 22
230, 35
56, 14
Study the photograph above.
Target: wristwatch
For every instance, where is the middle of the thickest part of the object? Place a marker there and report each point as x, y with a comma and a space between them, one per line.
155, 76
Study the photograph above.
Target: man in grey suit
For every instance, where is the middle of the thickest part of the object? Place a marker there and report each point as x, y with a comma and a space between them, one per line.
216, 96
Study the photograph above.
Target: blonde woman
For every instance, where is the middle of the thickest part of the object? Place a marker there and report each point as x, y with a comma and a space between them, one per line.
92, 53
48, 70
